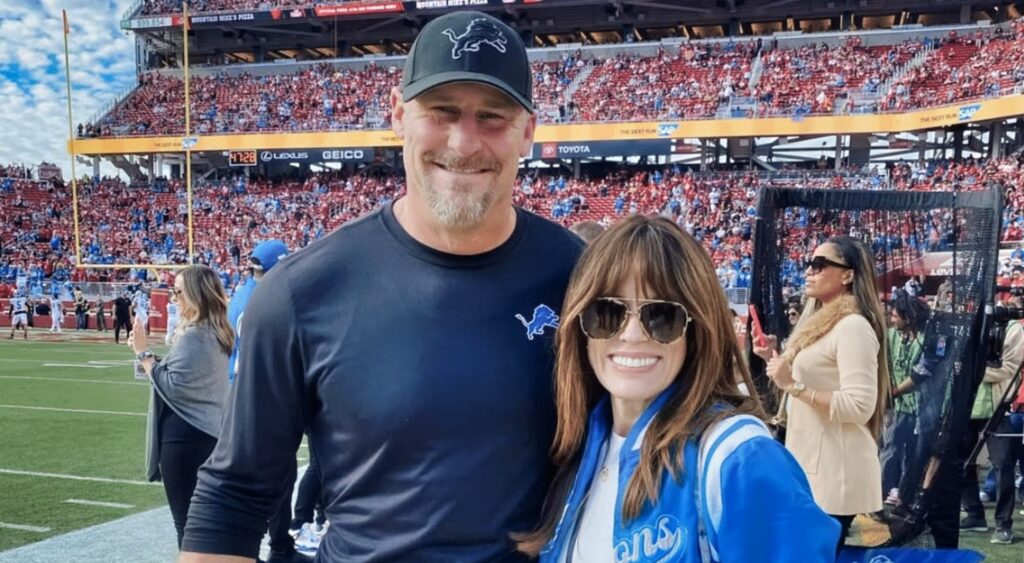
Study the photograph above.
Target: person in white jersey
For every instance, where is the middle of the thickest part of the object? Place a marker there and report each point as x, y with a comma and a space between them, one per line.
140, 307
56, 313
172, 316
18, 311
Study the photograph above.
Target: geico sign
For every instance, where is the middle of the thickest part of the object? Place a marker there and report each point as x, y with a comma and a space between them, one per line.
347, 154
267, 156
573, 149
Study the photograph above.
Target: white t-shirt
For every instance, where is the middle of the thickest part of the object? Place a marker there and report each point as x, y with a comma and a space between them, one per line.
594, 538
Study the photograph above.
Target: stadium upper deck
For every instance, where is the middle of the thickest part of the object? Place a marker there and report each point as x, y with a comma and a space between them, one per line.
827, 74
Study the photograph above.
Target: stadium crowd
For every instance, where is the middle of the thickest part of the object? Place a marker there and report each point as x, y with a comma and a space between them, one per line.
160, 7
146, 222
964, 67
695, 82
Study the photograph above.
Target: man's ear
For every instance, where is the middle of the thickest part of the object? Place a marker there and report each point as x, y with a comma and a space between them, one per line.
526, 146
397, 113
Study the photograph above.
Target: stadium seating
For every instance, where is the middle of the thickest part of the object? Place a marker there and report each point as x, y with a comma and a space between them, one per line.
692, 84
809, 79
124, 223
963, 68
160, 7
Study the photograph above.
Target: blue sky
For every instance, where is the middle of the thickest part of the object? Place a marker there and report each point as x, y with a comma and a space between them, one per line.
33, 96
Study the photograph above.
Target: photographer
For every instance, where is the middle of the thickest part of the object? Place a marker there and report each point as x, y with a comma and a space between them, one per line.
1000, 450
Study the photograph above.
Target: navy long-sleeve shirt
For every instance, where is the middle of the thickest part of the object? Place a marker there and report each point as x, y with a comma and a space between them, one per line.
424, 379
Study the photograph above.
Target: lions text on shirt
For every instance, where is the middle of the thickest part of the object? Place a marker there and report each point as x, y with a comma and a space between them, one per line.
594, 540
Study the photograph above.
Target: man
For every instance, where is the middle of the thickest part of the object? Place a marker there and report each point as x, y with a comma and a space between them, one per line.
101, 314
1000, 449
414, 344
264, 257
81, 308
172, 316
18, 310
140, 307
122, 316
56, 314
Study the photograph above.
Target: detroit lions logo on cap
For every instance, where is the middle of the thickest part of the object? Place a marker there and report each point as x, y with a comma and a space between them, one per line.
478, 32
543, 317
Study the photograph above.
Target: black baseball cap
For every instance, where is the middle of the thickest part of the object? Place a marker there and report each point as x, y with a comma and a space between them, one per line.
469, 47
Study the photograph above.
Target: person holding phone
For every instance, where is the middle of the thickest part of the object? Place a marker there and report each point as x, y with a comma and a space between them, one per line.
836, 376
660, 456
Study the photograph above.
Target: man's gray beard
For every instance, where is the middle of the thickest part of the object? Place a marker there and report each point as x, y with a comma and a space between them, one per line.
462, 210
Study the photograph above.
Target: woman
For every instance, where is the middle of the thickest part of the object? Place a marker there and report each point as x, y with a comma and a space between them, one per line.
189, 387
649, 412
835, 372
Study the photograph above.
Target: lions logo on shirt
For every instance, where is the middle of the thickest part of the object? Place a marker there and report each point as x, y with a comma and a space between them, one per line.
543, 317
478, 32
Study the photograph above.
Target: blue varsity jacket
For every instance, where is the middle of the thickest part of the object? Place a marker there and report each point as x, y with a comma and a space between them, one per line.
755, 502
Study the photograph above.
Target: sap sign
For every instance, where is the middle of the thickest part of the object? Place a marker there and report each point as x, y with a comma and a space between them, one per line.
343, 154
666, 129
967, 112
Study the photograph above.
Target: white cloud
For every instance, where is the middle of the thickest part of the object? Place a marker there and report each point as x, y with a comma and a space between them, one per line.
33, 95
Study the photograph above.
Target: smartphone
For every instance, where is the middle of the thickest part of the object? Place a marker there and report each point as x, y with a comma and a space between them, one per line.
755, 319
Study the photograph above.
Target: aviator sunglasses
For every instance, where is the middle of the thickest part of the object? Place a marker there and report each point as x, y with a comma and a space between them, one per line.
818, 263
662, 321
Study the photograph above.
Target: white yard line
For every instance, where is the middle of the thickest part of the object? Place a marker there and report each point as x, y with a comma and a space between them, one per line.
77, 411
72, 380
77, 366
76, 477
24, 528
98, 503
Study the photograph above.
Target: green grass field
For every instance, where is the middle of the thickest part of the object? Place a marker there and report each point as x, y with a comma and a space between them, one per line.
106, 446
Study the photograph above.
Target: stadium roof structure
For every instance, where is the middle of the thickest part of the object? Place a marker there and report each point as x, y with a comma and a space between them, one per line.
355, 28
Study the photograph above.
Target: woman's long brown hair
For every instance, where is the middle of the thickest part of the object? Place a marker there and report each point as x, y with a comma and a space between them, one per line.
665, 263
203, 300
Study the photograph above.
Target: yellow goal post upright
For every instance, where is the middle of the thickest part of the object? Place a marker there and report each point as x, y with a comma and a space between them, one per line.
187, 143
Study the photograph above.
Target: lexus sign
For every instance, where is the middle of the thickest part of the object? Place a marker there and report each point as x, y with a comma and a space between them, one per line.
317, 155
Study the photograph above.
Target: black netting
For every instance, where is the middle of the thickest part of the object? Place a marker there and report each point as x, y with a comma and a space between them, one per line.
947, 244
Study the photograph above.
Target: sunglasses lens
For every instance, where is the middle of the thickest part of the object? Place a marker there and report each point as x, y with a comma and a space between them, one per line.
602, 319
664, 322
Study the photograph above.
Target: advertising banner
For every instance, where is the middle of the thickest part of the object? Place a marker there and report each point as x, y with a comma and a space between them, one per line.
318, 155
602, 148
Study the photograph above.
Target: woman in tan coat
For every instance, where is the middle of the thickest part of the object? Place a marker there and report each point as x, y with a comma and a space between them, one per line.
835, 375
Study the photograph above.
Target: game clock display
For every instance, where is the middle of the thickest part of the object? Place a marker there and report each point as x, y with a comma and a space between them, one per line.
242, 158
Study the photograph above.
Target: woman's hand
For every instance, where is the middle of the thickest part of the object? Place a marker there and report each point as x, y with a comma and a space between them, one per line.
780, 371
771, 345
137, 339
